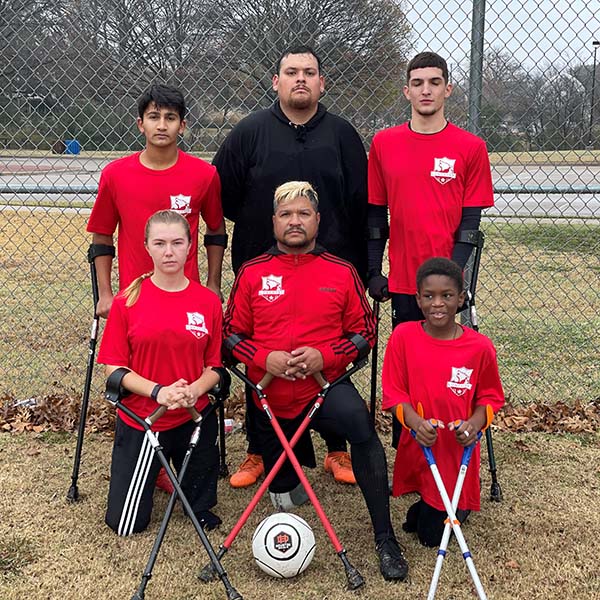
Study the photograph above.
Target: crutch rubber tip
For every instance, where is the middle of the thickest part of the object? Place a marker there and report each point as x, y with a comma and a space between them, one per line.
496, 492
233, 594
138, 596
207, 573
73, 494
355, 579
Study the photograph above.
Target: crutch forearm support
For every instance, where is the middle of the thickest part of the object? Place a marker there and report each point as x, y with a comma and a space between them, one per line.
96, 250
473, 237
114, 388
362, 346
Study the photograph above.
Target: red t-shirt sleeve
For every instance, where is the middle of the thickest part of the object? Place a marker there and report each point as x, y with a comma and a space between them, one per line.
104, 217
376, 181
479, 190
211, 208
212, 353
394, 376
114, 348
489, 387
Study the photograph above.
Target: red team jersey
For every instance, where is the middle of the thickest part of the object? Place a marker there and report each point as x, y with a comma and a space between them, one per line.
449, 378
163, 337
285, 301
425, 180
130, 193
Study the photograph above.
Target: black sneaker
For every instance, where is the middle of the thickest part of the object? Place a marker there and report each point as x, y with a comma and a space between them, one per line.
392, 564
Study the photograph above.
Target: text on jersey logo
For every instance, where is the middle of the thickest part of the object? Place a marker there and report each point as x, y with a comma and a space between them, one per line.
443, 169
196, 324
272, 287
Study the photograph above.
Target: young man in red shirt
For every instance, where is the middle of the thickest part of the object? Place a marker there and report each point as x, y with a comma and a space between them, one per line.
295, 311
160, 177
434, 178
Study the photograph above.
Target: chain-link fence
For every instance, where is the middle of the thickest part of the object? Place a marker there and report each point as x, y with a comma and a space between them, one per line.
525, 79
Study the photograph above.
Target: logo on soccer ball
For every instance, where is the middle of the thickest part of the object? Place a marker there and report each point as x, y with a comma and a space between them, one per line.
196, 324
443, 169
460, 381
181, 204
271, 288
282, 542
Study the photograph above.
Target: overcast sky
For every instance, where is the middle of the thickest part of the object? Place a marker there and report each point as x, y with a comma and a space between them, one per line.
536, 33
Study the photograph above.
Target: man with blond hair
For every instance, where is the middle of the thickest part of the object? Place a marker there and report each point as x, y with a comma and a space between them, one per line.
296, 311
296, 138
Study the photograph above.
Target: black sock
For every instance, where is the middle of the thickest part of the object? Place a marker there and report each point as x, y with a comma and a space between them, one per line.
208, 520
370, 469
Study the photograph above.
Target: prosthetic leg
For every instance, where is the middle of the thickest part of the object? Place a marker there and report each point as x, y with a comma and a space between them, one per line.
355, 579
114, 393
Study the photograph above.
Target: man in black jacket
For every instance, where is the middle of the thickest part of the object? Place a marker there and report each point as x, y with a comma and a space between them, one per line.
295, 139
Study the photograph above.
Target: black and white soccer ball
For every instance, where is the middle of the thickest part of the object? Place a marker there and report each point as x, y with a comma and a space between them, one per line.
283, 545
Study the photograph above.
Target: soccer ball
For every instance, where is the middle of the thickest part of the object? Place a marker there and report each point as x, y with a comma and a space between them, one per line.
283, 545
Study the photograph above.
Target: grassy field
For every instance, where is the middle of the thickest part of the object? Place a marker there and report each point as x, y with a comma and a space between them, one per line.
539, 290
539, 543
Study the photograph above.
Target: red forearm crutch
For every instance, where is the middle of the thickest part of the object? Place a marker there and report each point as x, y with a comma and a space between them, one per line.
355, 579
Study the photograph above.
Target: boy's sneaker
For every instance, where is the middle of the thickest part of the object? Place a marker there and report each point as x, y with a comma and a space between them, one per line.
340, 464
163, 482
392, 564
286, 501
248, 472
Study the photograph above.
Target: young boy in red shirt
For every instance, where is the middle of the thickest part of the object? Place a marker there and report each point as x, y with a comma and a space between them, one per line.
452, 372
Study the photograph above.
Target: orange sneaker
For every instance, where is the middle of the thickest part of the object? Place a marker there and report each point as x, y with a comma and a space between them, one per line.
340, 465
248, 472
163, 482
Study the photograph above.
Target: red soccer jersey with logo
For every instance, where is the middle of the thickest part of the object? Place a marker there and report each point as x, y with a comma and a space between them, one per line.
426, 180
163, 337
449, 378
130, 193
286, 301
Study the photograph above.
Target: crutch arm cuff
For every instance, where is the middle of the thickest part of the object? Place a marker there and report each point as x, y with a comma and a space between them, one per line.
220, 391
473, 237
96, 250
114, 389
216, 239
362, 346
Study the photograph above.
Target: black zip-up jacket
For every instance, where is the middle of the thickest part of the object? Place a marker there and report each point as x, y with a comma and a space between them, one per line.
265, 150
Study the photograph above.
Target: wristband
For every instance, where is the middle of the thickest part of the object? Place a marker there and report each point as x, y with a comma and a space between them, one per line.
155, 390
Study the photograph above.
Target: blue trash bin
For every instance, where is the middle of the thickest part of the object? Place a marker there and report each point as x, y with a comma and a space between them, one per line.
72, 147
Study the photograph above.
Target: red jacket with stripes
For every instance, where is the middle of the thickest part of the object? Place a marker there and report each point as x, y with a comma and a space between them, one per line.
285, 301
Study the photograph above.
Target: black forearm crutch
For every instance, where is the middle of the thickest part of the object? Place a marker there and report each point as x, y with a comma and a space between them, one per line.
219, 393
114, 393
374, 353
476, 239
355, 579
73, 493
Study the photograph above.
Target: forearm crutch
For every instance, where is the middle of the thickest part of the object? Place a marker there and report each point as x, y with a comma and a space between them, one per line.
355, 579
452, 520
464, 464
476, 239
219, 393
374, 353
114, 393
73, 493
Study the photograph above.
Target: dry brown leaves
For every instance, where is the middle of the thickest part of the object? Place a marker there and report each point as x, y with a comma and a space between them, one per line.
61, 413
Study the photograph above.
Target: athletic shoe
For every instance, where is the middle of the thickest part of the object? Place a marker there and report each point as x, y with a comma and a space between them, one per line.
286, 501
392, 564
340, 465
248, 472
163, 482
208, 520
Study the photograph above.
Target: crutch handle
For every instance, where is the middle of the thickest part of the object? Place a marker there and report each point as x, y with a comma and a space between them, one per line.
196, 416
155, 415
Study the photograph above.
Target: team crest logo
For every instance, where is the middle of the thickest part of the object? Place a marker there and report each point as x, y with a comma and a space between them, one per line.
196, 324
271, 288
460, 381
443, 169
181, 204
282, 542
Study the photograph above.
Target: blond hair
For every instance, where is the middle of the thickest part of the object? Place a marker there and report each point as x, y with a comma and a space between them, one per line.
165, 217
291, 190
